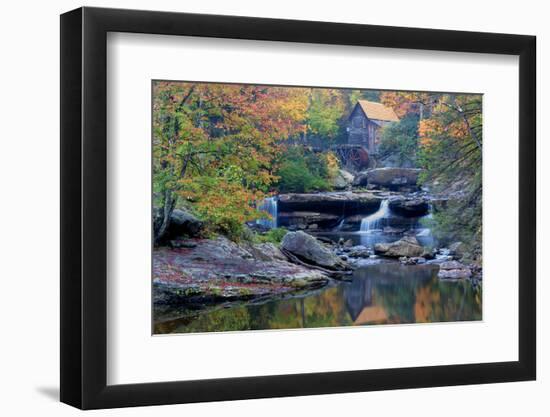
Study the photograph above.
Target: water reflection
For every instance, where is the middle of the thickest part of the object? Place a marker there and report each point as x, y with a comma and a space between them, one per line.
378, 294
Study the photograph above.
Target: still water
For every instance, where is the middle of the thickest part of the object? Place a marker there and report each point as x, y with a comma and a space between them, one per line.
377, 294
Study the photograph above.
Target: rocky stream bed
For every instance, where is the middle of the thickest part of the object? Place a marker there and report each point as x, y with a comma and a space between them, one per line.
332, 239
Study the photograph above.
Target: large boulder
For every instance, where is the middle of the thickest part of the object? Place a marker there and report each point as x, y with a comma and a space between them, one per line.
311, 251
410, 207
408, 246
182, 224
342, 180
361, 179
454, 270
341, 203
391, 178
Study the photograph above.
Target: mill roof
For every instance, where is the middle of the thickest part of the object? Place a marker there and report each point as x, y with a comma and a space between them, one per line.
377, 111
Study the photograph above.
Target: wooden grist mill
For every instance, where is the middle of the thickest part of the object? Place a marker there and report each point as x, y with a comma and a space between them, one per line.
364, 124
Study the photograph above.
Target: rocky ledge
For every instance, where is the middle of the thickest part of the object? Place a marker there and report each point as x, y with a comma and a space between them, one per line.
218, 270
331, 202
410, 206
309, 220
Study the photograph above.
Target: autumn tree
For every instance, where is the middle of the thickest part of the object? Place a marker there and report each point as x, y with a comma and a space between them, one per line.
450, 151
214, 145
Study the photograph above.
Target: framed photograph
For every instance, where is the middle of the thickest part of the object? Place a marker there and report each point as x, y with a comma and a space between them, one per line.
256, 208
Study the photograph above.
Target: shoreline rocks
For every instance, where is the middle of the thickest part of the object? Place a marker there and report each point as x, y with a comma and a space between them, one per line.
219, 270
453, 270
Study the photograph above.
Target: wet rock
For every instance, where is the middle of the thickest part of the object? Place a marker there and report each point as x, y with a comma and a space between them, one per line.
344, 244
409, 206
439, 259
339, 203
407, 246
428, 254
359, 251
311, 251
454, 270
391, 178
415, 260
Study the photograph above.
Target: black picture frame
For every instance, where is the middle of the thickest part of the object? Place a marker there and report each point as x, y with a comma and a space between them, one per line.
84, 207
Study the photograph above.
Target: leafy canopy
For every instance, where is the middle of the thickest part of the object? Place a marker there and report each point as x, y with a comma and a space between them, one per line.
214, 145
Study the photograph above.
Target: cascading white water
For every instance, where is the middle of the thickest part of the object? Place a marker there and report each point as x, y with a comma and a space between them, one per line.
269, 205
373, 221
430, 212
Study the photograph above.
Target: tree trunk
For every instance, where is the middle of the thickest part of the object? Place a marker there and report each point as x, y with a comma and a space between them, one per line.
167, 208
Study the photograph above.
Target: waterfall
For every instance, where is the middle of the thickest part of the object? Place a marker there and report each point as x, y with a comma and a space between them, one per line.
373, 221
430, 212
269, 205
340, 225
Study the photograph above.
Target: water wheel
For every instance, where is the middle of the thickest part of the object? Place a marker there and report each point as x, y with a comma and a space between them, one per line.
355, 156
358, 157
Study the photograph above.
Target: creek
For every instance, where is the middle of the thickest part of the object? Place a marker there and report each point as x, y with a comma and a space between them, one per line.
379, 291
